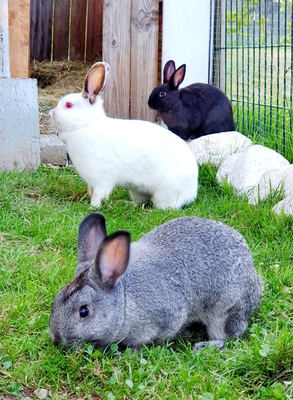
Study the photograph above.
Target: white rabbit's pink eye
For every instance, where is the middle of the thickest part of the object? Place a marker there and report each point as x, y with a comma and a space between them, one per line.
162, 93
68, 104
84, 312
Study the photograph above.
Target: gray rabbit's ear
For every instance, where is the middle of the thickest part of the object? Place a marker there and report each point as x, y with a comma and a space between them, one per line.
96, 81
112, 258
92, 232
169, 69
178, 76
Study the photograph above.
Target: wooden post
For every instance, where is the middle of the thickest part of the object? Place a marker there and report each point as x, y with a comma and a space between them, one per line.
116, 52
19, 37
130, 46
144, 57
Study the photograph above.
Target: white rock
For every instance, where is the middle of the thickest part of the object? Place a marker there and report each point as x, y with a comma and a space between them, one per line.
277, 179
285, 206
43, 394
215, 148
244, 170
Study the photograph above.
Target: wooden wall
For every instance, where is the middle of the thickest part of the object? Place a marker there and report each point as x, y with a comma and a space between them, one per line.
19, 37
66, 29
127, 31
130, 46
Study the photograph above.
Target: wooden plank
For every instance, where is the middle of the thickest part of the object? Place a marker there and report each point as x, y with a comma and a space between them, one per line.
19, 37
116, 51
61, 29
94, 30
77, 30
40, 29
144, 56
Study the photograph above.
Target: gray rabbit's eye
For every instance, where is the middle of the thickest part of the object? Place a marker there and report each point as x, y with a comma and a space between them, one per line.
162, 93
84, 311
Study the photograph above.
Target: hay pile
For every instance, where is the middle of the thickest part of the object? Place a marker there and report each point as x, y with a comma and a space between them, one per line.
55, 79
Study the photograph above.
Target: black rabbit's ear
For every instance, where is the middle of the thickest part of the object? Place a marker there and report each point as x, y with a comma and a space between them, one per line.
178, 76
169, 69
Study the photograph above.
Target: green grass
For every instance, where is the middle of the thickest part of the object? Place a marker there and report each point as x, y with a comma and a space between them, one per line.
39, 218
271, 127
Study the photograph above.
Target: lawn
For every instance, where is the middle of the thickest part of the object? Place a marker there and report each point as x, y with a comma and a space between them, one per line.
39, 218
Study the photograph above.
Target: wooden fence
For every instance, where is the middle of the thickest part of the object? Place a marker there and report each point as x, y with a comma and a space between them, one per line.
123, 33
66, 29
130, 46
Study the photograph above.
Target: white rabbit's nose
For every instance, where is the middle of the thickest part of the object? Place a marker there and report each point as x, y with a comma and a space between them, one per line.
51, 113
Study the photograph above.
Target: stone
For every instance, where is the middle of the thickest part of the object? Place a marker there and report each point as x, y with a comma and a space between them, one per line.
53, 150
43, 394
285, 206
215, 148
244, 170
273, 180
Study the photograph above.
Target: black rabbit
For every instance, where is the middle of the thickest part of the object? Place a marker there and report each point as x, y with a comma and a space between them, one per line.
196, 110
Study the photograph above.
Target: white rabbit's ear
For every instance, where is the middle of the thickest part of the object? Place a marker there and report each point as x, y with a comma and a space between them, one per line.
96, 80
177, 77
169, 69
112, 258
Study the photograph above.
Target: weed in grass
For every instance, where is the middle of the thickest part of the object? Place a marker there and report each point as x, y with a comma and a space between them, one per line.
39, 218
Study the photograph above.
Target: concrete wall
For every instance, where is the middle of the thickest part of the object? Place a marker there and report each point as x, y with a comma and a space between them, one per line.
186, 37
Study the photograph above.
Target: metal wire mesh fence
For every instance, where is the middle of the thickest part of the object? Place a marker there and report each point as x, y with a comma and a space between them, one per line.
253, 65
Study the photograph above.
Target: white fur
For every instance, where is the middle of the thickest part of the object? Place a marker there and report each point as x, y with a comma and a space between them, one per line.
141, 156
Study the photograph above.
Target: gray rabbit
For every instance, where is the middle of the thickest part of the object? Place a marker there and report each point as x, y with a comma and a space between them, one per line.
185, 271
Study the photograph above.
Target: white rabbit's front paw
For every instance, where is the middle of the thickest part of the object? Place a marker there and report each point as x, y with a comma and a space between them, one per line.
97, 201
99, 196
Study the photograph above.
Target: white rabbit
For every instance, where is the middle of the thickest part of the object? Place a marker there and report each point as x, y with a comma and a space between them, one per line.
141, 156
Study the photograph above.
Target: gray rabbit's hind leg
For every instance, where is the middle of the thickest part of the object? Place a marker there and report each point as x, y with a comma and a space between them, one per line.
237, 321
214, 343
220, 329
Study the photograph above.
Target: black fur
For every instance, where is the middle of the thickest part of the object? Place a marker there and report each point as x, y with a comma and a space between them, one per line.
196, 110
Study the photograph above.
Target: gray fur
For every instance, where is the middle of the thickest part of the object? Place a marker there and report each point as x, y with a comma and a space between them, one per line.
187, 270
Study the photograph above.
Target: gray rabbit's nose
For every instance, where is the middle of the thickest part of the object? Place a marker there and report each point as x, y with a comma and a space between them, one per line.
56, 338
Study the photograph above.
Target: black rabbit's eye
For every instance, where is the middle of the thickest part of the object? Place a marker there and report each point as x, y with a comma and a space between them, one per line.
162, 93
84, 312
